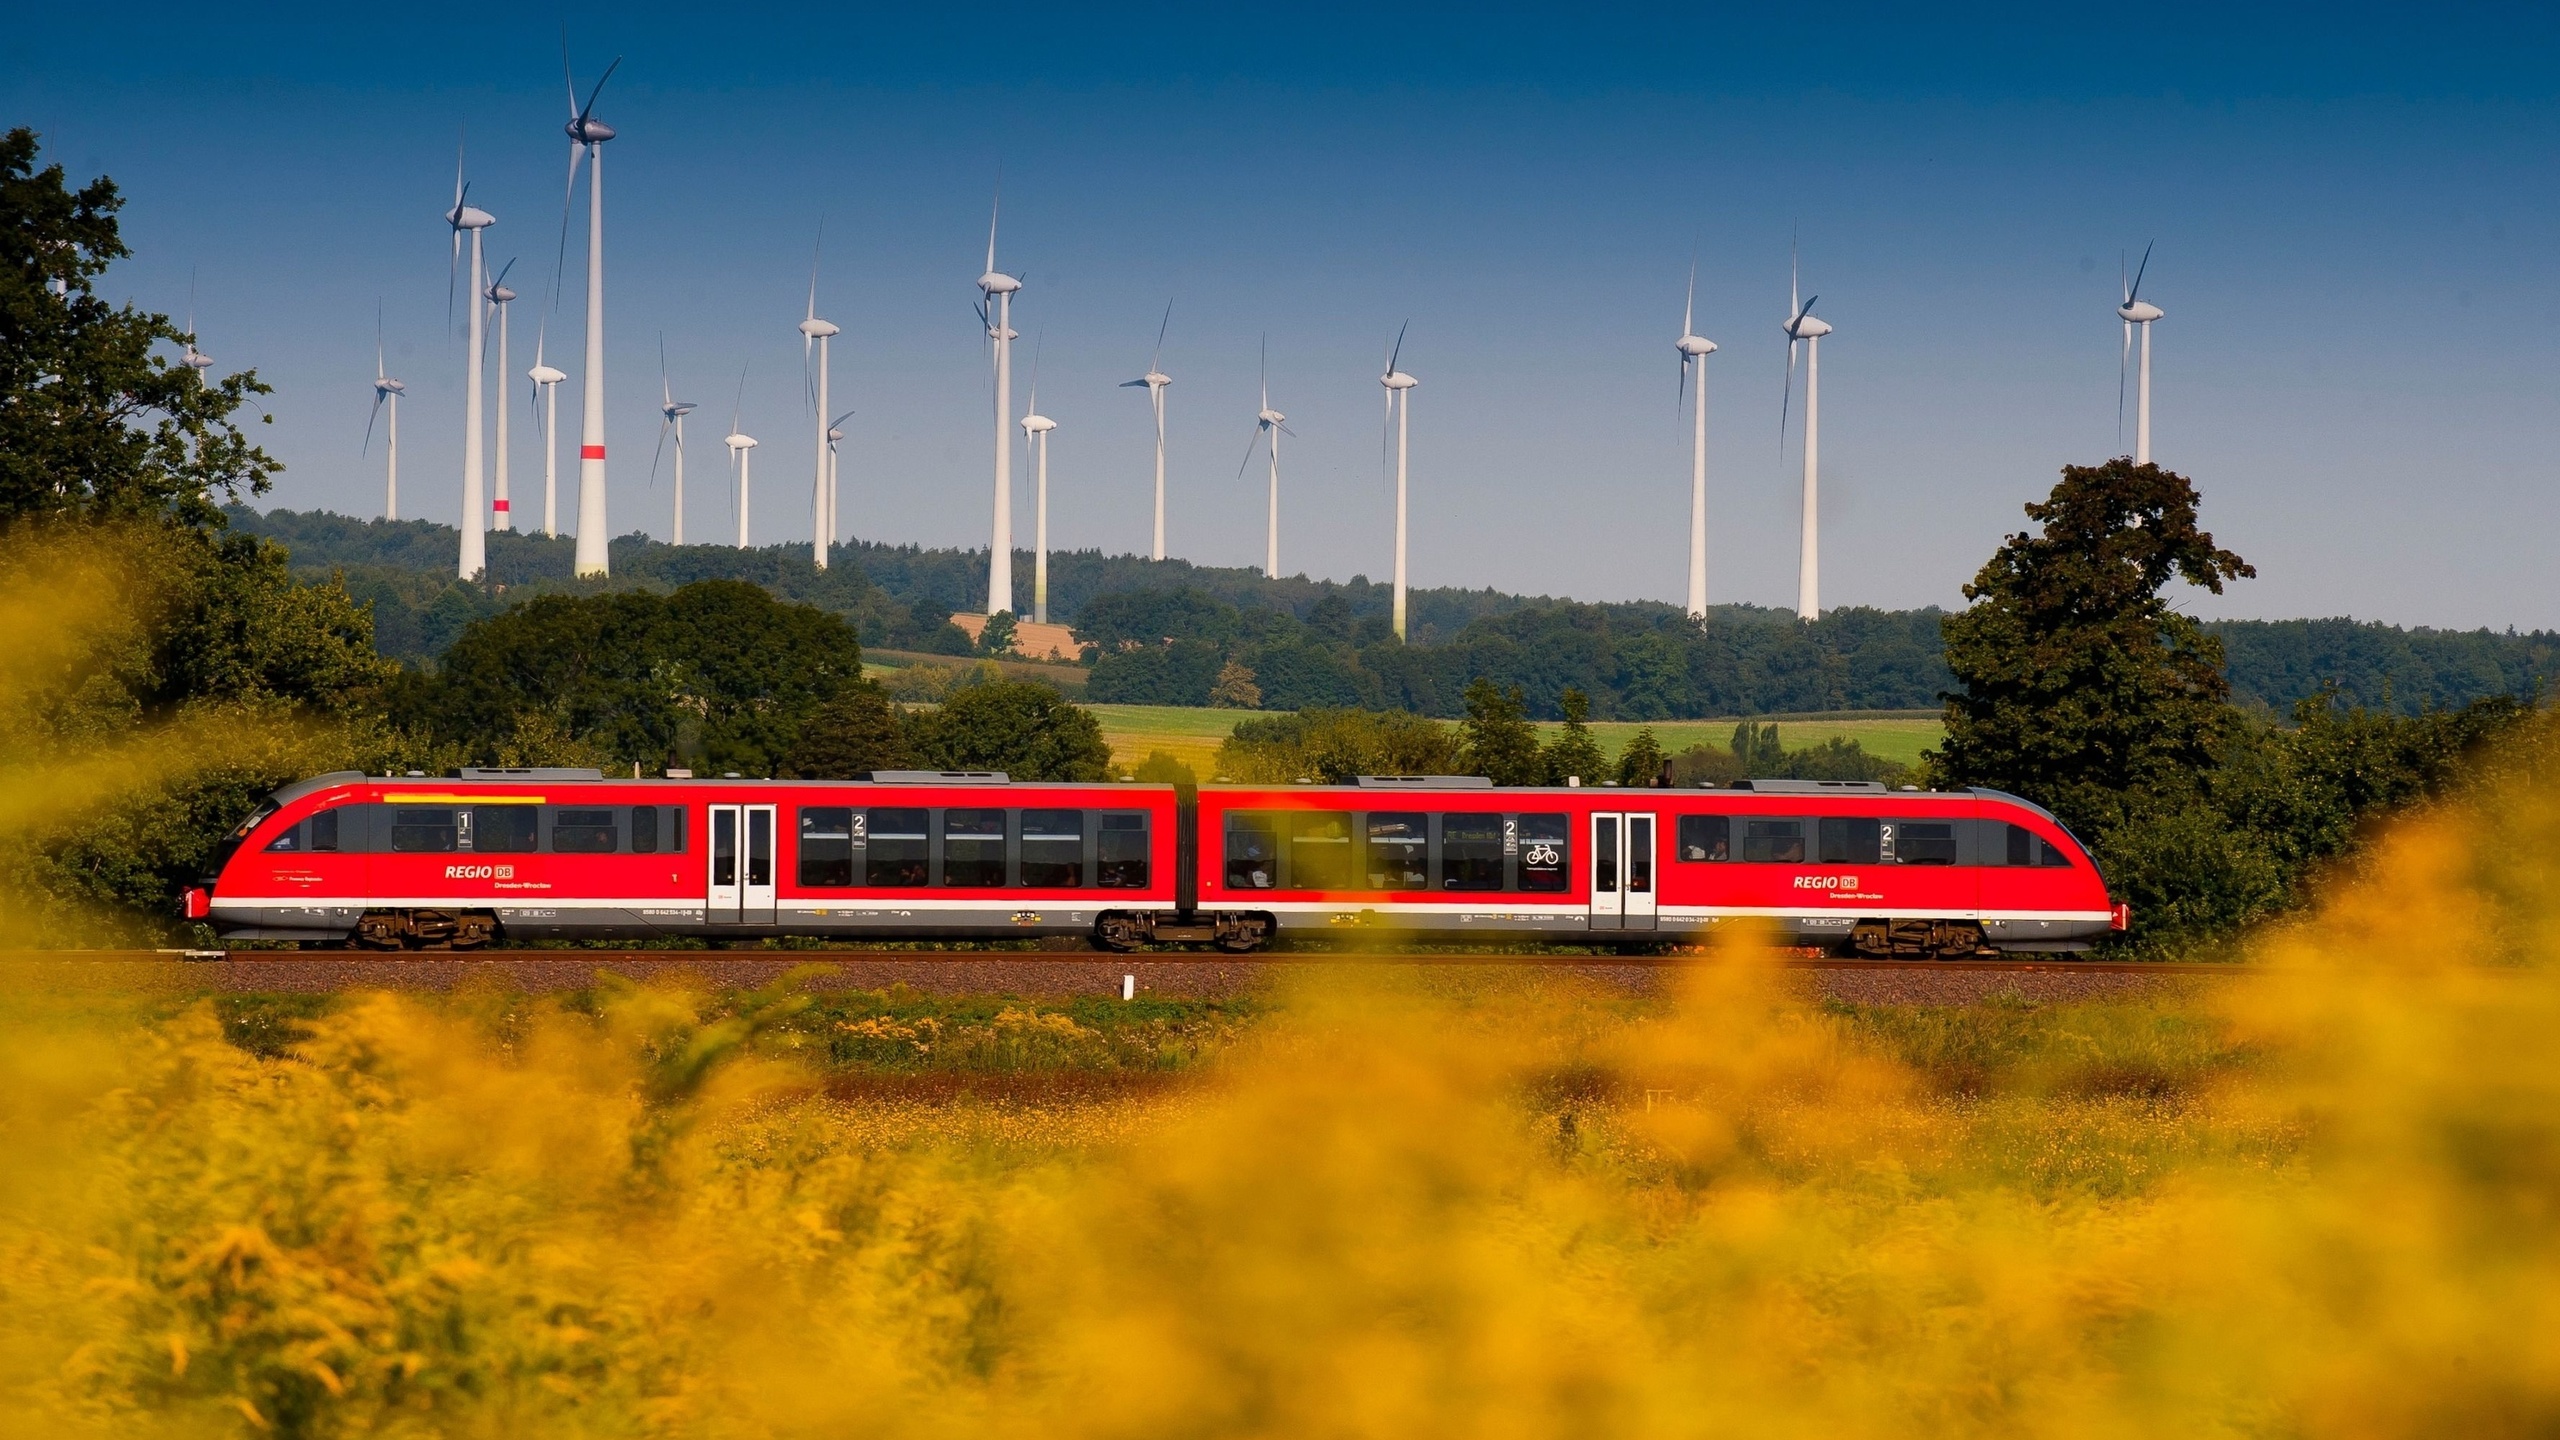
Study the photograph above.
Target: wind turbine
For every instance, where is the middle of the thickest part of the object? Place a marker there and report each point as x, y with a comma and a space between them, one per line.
997, 311
194, 359
587, 135
1155, 380
463, 216
817, 332
1035, 435
741, 458
674, 410
498, 295
1399, 409
1803, 325
1268, 425
1694, 349
546, 385
386, 391
2137, 311
835, 435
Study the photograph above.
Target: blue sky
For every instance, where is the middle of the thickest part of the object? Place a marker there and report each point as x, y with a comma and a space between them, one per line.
2353, 207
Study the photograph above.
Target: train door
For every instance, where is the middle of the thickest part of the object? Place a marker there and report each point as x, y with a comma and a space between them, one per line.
741, 858
1622, 872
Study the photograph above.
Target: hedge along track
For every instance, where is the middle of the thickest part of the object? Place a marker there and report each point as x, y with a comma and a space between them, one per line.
392, 960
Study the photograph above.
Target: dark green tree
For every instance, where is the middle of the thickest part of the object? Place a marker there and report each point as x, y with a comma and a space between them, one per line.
1642, 761
997, 637
1499, 742
857, 732
1573, 753
1756, 750
2083, 689
1028, 731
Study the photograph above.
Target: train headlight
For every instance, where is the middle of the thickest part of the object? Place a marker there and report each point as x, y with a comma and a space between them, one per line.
199, 902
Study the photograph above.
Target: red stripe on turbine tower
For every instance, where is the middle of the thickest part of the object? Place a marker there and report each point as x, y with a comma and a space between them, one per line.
590, 452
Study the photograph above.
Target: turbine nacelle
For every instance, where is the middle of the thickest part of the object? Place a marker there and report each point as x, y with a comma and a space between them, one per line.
996, 282
196, 360
588, 130
499, 294
1153, 380
1270, 417
1694, 346
1807, 327
678, 409
469, 217
740, 442
1398, 380
389, 386
1038, 424
545, 375
817, 329
2140, 312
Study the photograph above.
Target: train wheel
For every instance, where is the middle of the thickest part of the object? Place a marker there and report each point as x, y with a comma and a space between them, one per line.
1243, 934
1958, 939
1119, 932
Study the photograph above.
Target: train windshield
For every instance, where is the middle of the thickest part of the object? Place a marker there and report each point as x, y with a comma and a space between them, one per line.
232, 842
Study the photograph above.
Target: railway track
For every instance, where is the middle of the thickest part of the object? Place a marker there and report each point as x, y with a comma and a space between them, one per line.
391, 960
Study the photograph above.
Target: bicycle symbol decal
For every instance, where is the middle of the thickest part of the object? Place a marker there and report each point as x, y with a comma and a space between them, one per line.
1544, 855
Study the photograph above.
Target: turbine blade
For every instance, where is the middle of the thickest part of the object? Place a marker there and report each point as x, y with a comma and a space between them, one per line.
666, 390
368, 423
568, 201
1398, 352
2135, 293
1786, 397
1680, 400
661, 450
1689, 307
590, 107
567, 79
1156, 365
1249, 447
2123, 283
995, 212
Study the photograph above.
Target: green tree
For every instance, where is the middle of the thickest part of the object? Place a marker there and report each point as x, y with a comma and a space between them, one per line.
1756, 750
1641, 763
857, 732
1235, 689
2083, 689
1160, 768
1499, 742
1333, 745
1573, 753
997, 637
1028, 731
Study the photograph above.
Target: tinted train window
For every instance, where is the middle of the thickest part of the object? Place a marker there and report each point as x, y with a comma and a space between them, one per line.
973, 847
644, 829
1925, 842
1546, 855
422, 831
324, 830
1122, 852
287, 842
506, 829
1470, 852
1847, 841
1706, 837
1053, 848
1773, 842
1399, 851
1320, 855
895, 848
584, 832
1253, 850
2028, 848
826, 845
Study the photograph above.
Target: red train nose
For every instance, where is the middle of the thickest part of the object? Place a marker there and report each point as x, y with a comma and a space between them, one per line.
199, 903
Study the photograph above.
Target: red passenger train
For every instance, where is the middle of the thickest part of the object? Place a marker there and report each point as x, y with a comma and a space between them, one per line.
411, 862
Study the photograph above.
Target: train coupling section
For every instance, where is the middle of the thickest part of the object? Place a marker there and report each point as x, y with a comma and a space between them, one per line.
1231, 930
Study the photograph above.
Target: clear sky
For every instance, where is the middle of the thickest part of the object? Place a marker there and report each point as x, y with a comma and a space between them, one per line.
2354, 210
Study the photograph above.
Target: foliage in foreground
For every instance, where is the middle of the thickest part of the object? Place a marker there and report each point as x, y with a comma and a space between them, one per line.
2309, 1201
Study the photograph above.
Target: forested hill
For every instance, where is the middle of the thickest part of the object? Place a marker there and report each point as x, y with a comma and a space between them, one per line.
1167, 629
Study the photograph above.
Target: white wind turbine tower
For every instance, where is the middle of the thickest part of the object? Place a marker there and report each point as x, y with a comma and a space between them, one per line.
194, 359
498, 295
674, 411
463, 216
817, 332
997, 311
1035, 436
1268, 426
741, 459
835, 437
546, 385
1156, 380
587, 135
1400, 410
1694, 349
386, 392
1803, 325
2137, 311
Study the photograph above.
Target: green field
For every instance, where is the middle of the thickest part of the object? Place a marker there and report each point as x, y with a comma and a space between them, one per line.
1192, 734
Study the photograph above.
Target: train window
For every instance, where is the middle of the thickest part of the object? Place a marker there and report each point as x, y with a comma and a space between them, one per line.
1848, 841
506, 829
1773, 842
1545, 853
973, 847
1470, 852
644, 829
1706, 837
1122, 851
1399, 851
675, 829
1253, 850
2026, 847
1320, 855
324, 830
1925, 842
287, 842
1053, 848
826, 845
895, 847
423, 832
584, 832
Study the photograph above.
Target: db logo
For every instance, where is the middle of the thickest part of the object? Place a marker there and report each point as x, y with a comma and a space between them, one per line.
1826, 882
479, 872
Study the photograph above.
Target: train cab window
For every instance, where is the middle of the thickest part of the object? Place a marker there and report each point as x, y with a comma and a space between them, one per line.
1705, 838
324, 831
1320, 855
506, 829
2026, 847
584, 832
1546, 853
289, 842
644, 829
826, 845
1120, 852
973, 848
1470, 852
423, 832
1399, 851
1773, 842
1848, 841
1053, 849
895, 847
1253, 850
1925, 842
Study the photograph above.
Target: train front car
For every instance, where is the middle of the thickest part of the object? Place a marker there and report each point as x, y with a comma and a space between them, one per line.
548, 854
1843, 866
